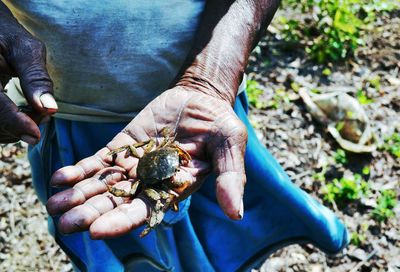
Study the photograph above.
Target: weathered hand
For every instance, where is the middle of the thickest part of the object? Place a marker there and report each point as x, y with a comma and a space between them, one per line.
23, 56
205, 126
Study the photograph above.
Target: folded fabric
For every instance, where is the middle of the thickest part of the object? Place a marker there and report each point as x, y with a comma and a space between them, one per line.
200, 237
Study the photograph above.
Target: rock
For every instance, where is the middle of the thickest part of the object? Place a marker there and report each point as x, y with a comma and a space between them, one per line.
298, 257
393, 234
393, 81
273, 264
317, 268
359, 254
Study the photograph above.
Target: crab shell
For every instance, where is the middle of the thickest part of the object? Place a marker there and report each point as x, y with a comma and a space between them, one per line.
338, 109
158, 165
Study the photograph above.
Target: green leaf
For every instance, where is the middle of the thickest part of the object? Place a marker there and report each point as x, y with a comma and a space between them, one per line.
392, 144
254, 93
339, 126
385, 205
363, 98
326, 72
365, 170
343, 22
295, 86
340, 156
375, 82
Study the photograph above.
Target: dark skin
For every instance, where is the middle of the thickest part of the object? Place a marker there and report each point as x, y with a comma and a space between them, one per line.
198, 108
23, 56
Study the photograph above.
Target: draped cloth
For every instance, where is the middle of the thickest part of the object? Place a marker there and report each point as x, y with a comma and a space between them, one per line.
199, 237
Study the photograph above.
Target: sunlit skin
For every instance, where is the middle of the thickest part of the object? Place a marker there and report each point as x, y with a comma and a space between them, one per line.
206, 127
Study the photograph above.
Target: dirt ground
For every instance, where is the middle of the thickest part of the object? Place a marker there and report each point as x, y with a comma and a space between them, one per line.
301, 145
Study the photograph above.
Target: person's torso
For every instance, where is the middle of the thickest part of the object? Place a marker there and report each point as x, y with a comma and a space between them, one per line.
108, 60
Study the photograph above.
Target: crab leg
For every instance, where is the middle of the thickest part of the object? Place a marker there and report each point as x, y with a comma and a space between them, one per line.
149, 146
167, 139
133, 151
171, 195
131, 148
165, 132
152, 194
158, 211
123, 193
117, 150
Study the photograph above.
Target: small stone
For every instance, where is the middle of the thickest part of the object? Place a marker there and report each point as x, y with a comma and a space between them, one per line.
393, 234
298, 257
273, 264
317, 268
393, 81
314, 257
359, 254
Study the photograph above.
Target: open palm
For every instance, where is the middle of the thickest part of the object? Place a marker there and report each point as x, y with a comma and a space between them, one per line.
205, 126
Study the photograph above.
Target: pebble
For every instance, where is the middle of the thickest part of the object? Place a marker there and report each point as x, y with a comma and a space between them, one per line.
359, 254
317, 268
273, 264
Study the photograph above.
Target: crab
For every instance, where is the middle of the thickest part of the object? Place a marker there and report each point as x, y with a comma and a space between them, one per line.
156, 171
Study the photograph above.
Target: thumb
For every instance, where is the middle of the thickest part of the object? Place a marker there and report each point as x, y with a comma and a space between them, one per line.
28, 59
227, 147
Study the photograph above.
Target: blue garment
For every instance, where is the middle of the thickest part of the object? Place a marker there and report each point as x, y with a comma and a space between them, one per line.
200, 237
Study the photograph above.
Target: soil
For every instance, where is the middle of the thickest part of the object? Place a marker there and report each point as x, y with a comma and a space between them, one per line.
303, 146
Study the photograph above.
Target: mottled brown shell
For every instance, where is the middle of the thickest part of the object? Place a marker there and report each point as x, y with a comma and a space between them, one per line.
158, 165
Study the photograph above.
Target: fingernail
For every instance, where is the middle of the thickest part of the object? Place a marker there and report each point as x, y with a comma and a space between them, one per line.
48, 102
29, 139
241, 210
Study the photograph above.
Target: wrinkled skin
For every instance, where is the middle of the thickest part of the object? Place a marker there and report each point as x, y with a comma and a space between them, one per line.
207, 128
23, 56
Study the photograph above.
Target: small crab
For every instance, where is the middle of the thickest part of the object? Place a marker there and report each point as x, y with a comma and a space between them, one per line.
156, 170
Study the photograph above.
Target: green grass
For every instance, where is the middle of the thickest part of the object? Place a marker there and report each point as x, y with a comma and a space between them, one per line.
375, 82
363, 98
334, 28
385, 205
345, 189
253, 93
392, 144
340, 156
359, 237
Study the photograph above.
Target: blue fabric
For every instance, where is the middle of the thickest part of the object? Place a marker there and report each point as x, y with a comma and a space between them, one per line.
200, 237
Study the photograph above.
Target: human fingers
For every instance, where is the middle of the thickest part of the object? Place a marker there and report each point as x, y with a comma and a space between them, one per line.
5, 71
107, 222
99, 211
70, 175
120, 220
84, 190
82, 216
27, 56
227, 148
14, 124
